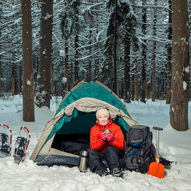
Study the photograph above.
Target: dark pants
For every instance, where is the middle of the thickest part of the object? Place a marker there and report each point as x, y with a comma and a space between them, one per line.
109, 159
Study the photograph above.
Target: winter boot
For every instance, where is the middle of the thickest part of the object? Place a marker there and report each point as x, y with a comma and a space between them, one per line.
116, 172
101, 171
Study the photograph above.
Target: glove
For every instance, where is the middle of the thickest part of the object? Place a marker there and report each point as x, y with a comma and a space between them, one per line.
103, 136
110, 136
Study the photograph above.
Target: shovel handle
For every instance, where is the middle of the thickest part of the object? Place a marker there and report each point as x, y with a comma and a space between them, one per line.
157, 139
158, 128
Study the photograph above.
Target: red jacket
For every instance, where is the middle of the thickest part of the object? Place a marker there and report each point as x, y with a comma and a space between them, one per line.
97, 144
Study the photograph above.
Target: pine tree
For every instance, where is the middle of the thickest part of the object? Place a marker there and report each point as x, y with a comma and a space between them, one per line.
1, 85
153, 76
28, 81
121, 28
169, 55
144, 56
180, 66
127, 26
111, 43
70, 26
13, 76
44, 88
66, 25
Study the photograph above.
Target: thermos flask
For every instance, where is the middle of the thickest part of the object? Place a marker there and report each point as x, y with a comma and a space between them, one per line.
83, 161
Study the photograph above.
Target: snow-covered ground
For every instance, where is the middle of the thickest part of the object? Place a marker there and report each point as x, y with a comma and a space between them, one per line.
26, 176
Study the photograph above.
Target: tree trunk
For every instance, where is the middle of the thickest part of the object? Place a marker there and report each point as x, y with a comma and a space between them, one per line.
1, 81
115, 51
97, 47
136, 82
28, 80
13, 80
153, 76
1, 84
71, 75
76, 62
132, 86
169, 55
97, 66
65, 74
89, 70
19, 79
144, 47
52, 80
43, 95
180, 66
89, 77
96, 71
127, 70
66, 64
153, 81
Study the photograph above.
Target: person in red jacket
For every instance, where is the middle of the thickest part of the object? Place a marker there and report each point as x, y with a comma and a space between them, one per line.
107, 143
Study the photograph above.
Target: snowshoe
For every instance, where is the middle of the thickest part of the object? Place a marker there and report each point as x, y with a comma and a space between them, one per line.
21, 145
5, 142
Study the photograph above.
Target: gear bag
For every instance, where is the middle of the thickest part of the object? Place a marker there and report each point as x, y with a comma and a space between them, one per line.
139, 149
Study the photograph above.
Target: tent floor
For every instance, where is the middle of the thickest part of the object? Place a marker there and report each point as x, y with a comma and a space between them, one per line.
71, 143
51, 160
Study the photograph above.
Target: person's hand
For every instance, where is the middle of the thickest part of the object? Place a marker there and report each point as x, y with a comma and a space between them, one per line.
103, 136
110, 136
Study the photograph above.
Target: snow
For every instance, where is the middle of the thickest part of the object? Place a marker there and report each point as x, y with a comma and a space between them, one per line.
28, 82
187, 69
27, 176
44, 51
64, 80
98, 35
62, 53
126, 1
48, 16
184, 85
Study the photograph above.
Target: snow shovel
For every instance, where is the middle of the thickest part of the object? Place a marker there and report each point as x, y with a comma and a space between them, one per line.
156, 168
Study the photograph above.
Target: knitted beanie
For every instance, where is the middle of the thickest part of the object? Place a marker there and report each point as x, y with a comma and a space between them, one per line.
102, 112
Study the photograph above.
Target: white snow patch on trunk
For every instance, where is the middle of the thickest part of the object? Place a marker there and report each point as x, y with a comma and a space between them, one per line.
187, 70
28, 82
184, 85
64, 80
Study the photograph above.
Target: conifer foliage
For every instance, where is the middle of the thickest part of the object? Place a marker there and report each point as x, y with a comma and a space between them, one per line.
139, 49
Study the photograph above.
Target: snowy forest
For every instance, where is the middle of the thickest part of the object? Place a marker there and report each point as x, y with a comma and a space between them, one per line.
139, 49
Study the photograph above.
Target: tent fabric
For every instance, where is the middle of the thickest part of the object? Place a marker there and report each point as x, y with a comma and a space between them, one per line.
86, 98
88, 105
94, 90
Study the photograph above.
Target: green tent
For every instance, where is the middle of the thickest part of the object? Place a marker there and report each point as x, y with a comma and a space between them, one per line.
67, 133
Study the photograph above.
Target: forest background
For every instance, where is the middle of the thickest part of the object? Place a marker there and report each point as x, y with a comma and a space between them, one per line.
139, 49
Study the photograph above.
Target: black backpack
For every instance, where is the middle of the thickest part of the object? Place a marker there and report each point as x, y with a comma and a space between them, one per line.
139, 149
